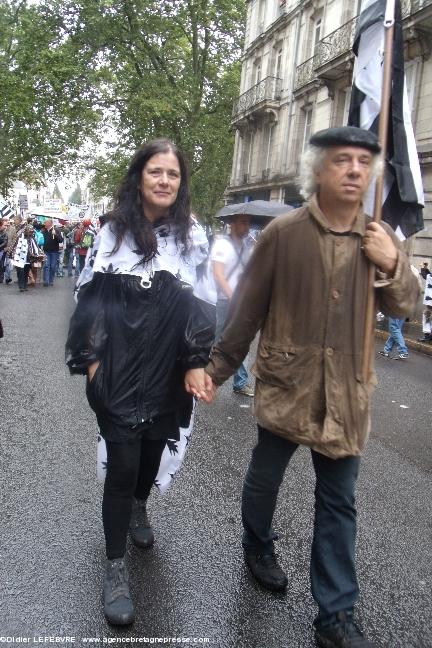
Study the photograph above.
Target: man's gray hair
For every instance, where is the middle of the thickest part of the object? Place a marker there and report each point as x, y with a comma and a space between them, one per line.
311, 161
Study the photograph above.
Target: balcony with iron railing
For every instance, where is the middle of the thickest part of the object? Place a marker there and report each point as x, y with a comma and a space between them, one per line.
335, 49
264, 94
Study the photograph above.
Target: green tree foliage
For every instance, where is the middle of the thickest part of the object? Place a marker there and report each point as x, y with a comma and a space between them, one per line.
167, 68
122, 71
47, 95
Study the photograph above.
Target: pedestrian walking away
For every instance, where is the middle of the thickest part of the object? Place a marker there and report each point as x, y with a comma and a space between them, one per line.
52, 240
229, 256
424, 270
3, 247
143, 339
427, 313
23, 253
304, 290
395, 339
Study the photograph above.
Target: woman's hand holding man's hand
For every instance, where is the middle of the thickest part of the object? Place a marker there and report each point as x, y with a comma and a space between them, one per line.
200, 385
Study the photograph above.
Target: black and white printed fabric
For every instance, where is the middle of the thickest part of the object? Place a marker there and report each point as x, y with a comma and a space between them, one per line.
5, 210
20, 255
427, 301
171, 460
403, 198
22, 249
189, 269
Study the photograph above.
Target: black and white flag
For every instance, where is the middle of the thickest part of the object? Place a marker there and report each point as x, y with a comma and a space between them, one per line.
403, 191
5, 210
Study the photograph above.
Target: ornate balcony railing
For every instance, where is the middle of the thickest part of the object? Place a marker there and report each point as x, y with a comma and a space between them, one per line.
340, 41
268, 89
304, 73
412, 6
336, 43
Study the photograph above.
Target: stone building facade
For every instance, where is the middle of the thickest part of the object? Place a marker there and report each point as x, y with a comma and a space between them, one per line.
296, 79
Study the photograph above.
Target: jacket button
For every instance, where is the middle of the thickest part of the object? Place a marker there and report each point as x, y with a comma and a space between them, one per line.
329, 351
335, 294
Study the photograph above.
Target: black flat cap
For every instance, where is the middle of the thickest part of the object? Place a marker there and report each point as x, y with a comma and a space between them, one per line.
348, 136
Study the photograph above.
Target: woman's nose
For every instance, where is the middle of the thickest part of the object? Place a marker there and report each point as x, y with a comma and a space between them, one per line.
163, 178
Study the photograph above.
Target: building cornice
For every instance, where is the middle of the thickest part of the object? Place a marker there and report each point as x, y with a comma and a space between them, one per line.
281, 21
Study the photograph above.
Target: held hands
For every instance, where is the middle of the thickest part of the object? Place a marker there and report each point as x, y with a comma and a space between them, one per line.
380, 249
200, 385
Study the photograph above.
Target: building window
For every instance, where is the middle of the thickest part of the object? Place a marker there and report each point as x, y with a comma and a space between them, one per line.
247, 157
261, 16
278, 66
257, 72
268, 150
307, 117
346, 108
341, 107
316, 33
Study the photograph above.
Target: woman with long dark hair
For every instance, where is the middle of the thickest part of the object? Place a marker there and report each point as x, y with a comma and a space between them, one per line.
142, 337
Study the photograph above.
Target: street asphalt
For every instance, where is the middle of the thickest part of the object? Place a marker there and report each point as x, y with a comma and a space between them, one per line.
193, 583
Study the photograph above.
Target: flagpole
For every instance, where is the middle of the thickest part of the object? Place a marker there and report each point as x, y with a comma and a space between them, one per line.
382, 136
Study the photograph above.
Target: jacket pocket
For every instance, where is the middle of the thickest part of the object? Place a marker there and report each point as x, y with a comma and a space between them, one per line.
94, 389
282, 367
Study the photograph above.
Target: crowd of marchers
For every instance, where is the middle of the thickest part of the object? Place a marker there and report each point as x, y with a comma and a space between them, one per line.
41, 251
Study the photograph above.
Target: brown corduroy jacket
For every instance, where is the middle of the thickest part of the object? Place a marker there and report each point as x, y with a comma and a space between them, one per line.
305, 290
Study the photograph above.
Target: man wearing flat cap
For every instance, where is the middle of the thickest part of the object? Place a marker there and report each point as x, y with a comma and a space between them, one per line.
305, 290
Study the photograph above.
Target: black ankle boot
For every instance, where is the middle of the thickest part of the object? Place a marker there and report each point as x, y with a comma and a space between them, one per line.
140, 528
266, 570
343, 633
118, 607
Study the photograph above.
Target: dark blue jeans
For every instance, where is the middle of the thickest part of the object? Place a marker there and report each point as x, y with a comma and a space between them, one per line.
49, 268
332, 568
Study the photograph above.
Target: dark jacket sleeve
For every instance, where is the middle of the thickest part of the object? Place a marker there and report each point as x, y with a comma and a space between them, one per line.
88, 329
199, 334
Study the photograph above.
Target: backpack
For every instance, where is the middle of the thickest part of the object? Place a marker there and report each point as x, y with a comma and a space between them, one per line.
86, 240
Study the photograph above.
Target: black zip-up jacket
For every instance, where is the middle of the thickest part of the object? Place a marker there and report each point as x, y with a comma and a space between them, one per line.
52, 240
145, 340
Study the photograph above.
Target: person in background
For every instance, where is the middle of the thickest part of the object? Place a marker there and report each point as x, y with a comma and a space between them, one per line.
77, 235
304, 290
142, 337
52, 240
87, 234
24, 251
39, 238
424, 270
427, 312
60, 261
395, 338
14, 226
229, 255
69, 247
3, 247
